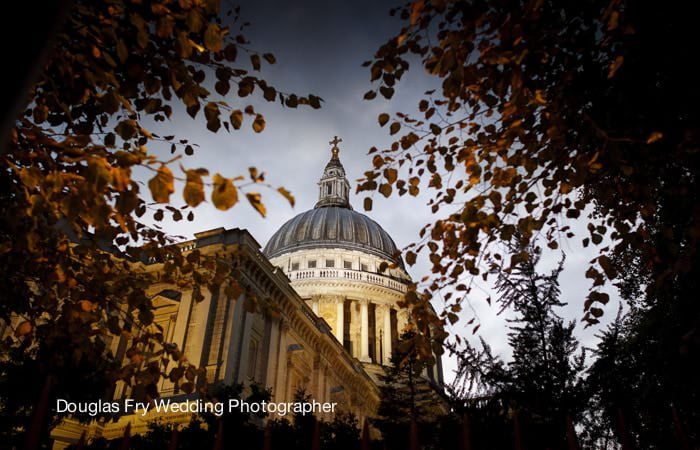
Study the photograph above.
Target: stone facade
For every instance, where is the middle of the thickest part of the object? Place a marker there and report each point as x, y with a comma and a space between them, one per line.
329, 323
284, 350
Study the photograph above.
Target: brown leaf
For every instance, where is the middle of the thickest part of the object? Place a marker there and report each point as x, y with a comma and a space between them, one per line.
385, 189
255, 61
24, 328
236, 119
655, 136
391, 175
213, 39
259, 123
615, 66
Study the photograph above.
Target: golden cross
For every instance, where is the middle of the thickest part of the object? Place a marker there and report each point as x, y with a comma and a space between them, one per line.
336, 140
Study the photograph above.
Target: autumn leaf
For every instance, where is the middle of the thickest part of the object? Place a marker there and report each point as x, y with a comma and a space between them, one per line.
162, 185
236, 119
655, 136
385, 189
259, 123
391, 175
225, 195
286, 194
194, 187
416, 9
24, 328
87, 306
255, 61
254, 199
615, 66
213, 40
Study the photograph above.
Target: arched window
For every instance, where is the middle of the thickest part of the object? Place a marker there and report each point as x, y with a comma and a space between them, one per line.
329, 188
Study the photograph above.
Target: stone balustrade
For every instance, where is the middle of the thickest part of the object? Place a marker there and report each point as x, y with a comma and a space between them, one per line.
348, 274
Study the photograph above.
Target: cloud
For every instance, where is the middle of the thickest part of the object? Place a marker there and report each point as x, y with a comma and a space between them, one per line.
320, 46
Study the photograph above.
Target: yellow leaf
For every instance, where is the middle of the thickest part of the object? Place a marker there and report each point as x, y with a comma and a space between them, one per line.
196, 45
225, 194
254, 199
194, 188
539, 97
286, 194
162, 185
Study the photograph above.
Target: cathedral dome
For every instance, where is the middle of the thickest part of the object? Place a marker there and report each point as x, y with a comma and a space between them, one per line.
331, 227
333, 223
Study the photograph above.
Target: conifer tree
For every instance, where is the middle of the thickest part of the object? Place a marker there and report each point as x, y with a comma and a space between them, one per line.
542, 382
407, 395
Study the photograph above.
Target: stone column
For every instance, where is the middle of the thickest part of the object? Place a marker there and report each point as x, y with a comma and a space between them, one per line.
279, 390
182, 320
364, 330
401, 320
386, 344
273, 352
340, 320
314, 305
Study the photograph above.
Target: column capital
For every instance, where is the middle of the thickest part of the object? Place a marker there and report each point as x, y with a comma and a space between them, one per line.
284, 324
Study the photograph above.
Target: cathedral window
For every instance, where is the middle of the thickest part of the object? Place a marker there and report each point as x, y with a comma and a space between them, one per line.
295, 266
347, 264
311, 264
330, 263
364, 267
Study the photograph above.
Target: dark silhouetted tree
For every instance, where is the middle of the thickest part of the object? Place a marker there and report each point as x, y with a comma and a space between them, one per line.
542, 383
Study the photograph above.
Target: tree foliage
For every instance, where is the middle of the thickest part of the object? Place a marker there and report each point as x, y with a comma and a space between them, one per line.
74, 233
646, 372
543, 383
407, 395
546, 113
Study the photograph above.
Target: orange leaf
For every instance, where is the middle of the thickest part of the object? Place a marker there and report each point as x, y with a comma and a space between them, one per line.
615, 65
653, 137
